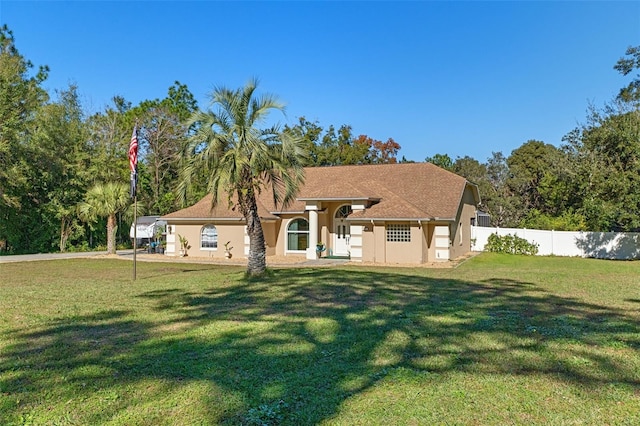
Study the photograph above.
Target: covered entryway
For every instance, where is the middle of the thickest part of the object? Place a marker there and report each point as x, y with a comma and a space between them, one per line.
341, 231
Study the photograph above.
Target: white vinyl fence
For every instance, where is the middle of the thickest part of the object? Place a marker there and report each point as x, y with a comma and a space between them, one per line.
600, 245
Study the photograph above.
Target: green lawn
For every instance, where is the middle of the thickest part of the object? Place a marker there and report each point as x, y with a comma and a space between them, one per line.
499, 340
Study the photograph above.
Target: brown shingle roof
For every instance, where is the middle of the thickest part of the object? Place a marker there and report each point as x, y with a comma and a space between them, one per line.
203, 209
404, 191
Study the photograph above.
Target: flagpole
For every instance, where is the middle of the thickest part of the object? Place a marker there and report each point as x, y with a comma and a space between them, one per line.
135, 232
133, 165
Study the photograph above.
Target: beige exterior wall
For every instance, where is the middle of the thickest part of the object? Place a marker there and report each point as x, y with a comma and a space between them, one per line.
379, 243
438, 242
425, 242
376, 248
405, 252
369, 240
227, 231
270, 228
461, 228
281, 248
326, 230
368, 243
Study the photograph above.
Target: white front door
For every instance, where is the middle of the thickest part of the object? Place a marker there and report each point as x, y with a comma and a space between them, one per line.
341, 237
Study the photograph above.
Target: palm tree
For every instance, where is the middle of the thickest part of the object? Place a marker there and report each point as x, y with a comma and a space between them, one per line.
106, 200
240, 160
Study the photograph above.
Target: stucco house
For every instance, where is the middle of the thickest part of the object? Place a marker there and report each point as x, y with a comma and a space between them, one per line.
386, 213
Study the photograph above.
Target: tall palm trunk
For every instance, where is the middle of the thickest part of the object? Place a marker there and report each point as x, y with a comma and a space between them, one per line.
257, 262
111, 234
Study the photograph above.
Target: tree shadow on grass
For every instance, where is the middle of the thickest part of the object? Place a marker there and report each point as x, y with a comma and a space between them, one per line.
291, 349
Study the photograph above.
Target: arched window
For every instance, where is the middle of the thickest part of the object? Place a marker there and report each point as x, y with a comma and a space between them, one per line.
298, 235
343, 212
209, 237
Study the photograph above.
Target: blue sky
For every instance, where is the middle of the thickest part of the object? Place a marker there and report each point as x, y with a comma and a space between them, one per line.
461, 78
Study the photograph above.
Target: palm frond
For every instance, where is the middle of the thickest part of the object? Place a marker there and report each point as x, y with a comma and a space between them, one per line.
237, 155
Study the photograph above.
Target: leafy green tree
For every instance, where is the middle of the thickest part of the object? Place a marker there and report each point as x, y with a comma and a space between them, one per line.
334, 148
108, 144
607, 168
531, 165
625, 66
240, 159
163, 133
58, 171
180, 101
470, 168
339, 148
20, 96
106, 201
568, 220
441, 160
502, 204
593, 184
406, 160
309, 134
476, 173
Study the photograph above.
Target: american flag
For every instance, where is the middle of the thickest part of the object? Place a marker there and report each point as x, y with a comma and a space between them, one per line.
133, 160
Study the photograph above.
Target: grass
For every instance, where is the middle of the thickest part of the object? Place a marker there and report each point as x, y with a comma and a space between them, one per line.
499, 340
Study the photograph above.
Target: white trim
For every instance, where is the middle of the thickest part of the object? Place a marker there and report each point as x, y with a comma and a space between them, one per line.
355, 240
356, 253
286, 236
200, 238
341, 246
247, 241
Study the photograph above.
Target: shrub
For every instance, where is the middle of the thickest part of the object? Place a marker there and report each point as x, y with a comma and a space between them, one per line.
511, 244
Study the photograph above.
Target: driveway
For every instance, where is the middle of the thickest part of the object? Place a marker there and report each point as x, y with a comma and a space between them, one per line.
53, 256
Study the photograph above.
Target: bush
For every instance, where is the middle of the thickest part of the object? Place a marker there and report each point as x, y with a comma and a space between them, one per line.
510, 244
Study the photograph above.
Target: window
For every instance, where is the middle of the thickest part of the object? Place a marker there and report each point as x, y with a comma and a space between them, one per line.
209, 238
298, 235
399, 233
343, 212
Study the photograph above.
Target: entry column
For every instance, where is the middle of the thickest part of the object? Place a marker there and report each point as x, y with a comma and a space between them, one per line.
313, 231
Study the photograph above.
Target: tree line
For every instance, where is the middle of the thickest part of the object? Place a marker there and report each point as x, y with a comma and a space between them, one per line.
62, 169
63, 172
590, 183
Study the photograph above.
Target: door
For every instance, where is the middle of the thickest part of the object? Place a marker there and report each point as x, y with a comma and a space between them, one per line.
441, 235
341, 238
341, 231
